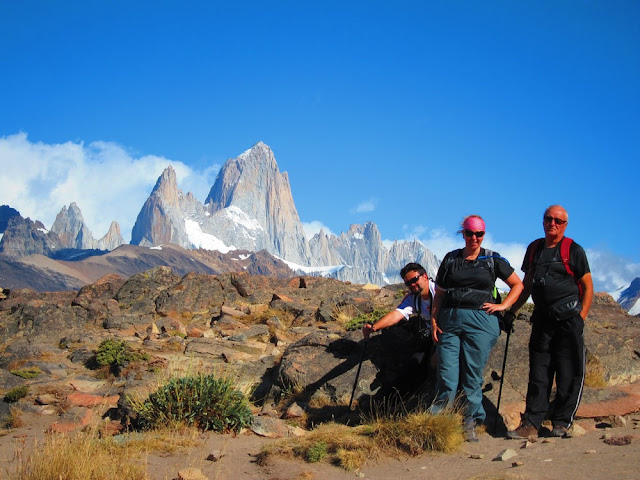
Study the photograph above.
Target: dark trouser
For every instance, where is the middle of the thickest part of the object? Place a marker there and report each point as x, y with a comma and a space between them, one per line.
556, 348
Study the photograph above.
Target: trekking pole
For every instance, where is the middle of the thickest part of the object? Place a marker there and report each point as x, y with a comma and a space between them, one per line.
355, 384
504, 364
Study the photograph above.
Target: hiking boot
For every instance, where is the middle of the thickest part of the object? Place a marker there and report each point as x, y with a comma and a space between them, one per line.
470, 434
559, 431
524, 431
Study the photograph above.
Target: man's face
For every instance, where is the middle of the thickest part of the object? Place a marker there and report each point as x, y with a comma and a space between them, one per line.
415, 282
555, 222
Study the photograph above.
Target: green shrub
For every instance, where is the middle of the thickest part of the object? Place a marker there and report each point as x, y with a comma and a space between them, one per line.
316, 452
116, 353
16, 394
357, 322
27, 373
204, 401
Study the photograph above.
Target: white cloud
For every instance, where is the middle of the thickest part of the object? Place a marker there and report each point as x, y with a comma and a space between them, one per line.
105, 180
610, 271
313, 227
365, 207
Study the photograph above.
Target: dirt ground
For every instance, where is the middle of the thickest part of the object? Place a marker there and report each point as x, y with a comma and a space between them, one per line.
586, 456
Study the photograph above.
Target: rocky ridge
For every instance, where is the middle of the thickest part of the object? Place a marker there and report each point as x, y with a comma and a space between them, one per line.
271, 335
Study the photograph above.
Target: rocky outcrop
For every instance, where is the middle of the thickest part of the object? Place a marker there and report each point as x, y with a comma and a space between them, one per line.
24, 237
273, 336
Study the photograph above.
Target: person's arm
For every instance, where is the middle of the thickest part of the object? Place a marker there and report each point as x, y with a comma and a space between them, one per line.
387, 320
524, 295
515, 289
435, 310
587, 294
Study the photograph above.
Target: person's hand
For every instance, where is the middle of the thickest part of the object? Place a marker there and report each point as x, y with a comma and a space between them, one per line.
494, 307
367, 329
435, 330
506, 320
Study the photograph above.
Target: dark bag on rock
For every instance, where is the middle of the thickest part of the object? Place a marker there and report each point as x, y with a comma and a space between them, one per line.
565, 308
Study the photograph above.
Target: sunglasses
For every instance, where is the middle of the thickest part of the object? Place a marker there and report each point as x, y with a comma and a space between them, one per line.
471, 233
412, 281
549, 219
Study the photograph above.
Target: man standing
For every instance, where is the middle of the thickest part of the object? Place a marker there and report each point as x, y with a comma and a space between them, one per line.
410, 353
557, 276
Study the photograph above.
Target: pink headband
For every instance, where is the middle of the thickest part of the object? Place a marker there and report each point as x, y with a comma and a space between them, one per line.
473, 223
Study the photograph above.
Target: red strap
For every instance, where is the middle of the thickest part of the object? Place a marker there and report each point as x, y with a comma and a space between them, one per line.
565, 248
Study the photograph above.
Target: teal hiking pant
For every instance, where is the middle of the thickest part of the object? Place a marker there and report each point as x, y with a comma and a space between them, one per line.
463, 350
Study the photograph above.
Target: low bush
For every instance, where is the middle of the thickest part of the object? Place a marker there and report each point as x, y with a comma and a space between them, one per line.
204, 401
16, 394
27, 373
116, 353
372, 317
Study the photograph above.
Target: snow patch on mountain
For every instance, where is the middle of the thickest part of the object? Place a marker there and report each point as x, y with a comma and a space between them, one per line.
322, 270
206, 241
238, 216
635, 310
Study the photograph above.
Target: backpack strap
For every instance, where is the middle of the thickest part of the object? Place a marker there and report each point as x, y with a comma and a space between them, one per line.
537, 245
565, 249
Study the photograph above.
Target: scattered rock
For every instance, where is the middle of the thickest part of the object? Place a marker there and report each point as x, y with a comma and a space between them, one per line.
619, 441
191, 474
517, 464
590, 452
618, 421
576, 430
269, 427
477, 456
215, 455
294, 411
505, 455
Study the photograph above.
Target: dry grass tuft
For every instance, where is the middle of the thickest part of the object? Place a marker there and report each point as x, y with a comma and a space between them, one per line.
349, 447
14, 419
595, 373
330, 442
343, 314
77, 457
419, 432
84, 455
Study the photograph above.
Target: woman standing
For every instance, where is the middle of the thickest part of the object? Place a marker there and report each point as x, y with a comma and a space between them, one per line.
462, 322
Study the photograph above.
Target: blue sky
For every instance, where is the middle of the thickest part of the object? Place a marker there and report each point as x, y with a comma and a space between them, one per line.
409, 114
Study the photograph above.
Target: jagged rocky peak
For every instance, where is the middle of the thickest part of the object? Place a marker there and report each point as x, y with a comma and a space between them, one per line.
166, 187
113, 238
630, 297
71, 230
73, 233
6, 212
160, 220
252, 187
24, 237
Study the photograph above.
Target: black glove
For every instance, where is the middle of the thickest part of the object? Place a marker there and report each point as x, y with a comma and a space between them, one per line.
506, 321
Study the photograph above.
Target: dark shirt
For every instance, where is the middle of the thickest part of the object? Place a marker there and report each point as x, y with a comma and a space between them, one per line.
457, 273
551, 281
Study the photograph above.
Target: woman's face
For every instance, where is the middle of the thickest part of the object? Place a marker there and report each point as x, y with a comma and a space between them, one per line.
473, 238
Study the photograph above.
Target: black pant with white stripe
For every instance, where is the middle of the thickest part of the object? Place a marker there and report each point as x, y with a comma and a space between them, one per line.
556, 349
